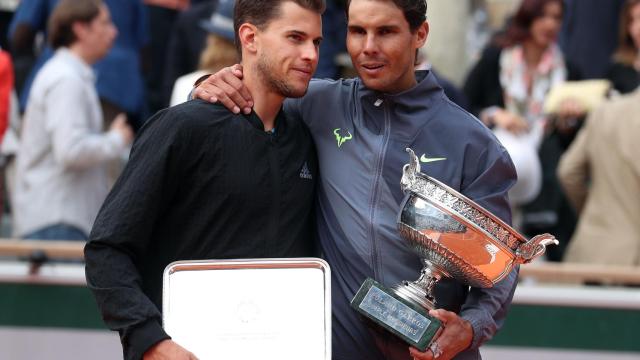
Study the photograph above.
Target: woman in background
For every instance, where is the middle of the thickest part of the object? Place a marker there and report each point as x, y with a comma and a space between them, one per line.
507, 89
625, 70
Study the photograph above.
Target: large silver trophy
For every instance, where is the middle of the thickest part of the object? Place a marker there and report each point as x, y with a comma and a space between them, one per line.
454, 237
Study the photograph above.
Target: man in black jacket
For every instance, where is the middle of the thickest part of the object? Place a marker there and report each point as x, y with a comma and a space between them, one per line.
203, 182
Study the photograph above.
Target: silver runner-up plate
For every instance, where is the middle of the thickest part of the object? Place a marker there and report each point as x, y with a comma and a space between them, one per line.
250, 308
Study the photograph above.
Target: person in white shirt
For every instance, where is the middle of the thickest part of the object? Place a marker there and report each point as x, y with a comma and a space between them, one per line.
62, 161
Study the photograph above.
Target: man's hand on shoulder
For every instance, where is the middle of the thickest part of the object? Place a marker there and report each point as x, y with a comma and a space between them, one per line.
227, 88
456, 336
168, 350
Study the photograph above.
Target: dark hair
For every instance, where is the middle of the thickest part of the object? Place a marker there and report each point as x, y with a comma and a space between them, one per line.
261, 12
65, 14
519, 28
626, 52
415, 11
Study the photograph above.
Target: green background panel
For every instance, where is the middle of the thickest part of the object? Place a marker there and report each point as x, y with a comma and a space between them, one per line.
570, 327
48, 306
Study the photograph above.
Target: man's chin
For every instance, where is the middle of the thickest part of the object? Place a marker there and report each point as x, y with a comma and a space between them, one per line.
297, 93
374, 84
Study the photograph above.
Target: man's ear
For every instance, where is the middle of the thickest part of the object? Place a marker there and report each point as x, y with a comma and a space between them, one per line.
79, 29
422, 33
248, 34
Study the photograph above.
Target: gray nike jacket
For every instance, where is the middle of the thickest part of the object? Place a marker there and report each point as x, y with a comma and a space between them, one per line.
361, 138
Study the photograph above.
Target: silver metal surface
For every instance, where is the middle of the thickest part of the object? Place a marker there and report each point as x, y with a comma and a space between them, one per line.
456, 237
250, 308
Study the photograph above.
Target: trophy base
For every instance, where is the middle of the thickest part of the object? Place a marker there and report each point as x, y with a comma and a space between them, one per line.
408, 320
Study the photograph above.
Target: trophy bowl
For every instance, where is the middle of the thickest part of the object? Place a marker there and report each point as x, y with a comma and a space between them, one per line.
454, 237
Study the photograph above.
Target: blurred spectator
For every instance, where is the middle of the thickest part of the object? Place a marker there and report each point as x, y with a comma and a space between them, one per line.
119, 77
589, 33
6, 88
7, 7
61, 173
600, 173
625, 71
162, 17
507, 89
334, 31
186, 43
220, 51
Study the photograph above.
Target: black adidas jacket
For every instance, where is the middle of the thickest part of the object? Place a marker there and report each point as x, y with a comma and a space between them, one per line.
201, 183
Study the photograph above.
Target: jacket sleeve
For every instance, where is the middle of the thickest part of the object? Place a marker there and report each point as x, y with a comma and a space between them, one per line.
486, 309
122, 233
75, 144
573, 169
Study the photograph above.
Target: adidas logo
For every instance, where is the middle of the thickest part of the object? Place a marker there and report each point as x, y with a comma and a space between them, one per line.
305, 173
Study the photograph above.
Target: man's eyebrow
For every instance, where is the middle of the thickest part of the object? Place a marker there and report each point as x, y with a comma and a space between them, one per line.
388, 27
304, 34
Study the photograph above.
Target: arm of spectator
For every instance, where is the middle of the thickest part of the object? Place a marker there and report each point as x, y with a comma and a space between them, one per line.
75, 144
121, 237
570, 114
495, 116
226, 87
573, 170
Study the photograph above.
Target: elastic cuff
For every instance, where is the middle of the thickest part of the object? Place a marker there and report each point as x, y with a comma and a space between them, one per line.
143, 337
478, 325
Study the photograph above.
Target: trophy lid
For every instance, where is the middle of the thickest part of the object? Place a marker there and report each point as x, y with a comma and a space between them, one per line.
249, 308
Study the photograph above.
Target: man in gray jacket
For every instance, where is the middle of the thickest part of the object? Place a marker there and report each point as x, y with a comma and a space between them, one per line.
361, 127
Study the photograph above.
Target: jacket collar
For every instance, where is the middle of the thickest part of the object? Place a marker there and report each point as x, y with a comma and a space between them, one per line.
403, 107
79, 65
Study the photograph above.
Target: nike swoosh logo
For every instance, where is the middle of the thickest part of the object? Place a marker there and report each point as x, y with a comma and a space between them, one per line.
425, 159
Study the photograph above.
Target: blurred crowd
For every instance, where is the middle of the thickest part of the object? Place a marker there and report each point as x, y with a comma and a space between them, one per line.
557, 83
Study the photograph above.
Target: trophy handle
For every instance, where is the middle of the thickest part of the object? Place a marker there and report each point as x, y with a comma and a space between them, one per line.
533, 248
409, 171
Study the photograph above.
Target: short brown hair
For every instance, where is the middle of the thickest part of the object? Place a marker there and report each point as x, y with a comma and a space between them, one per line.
415, 11
65, 14
626, 52
261, 12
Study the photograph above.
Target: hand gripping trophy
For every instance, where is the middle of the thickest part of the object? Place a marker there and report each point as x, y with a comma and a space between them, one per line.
454, 237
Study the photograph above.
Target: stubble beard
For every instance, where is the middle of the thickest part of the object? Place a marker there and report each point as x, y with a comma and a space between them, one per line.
279, 85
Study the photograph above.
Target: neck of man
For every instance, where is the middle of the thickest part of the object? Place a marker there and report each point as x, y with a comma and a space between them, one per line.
266, 102
82, 52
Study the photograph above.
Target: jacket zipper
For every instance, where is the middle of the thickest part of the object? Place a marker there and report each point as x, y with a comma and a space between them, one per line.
272, 231
377, 270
